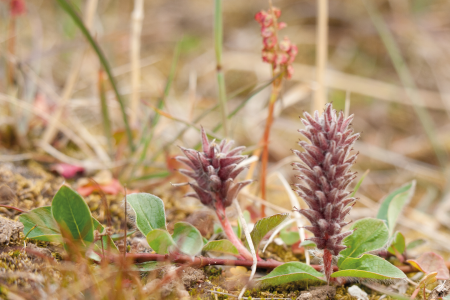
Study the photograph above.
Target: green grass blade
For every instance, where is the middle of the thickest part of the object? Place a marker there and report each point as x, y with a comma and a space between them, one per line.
146, 139
105, 113
218, 43
359, 183
103, 61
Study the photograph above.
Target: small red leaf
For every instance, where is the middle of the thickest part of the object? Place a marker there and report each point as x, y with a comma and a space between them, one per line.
66, 170
431, 262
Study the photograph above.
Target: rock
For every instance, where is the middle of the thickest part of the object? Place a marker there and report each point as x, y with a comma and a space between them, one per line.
191, 276
9, 231
177, 286
35, 251
318, 293
355, 291
440, 291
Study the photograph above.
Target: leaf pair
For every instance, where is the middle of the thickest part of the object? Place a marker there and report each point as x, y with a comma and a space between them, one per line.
185, 239
68, 219
369, 235
151, 221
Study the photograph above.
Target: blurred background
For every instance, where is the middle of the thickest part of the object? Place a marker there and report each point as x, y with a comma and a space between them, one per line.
387, 63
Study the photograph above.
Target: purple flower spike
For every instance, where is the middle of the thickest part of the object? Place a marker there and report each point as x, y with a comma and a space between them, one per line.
214, 171
325, 173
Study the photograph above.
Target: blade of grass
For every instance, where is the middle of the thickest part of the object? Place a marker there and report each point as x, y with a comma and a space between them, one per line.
320, 96
103, 61
146, 139
218, 42
137, 17
406, 78
105, 114
360, 182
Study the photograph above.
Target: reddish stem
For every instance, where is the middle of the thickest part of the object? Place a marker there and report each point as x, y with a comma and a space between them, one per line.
327, 264
265, 152
220, 211
12, 207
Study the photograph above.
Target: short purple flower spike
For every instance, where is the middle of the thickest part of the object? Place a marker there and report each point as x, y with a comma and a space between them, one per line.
325, 172
214, 170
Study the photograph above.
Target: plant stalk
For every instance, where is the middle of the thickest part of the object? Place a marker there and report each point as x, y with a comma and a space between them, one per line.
218, 43
220, 211
321, 55
327, 264
276, 87
210, 261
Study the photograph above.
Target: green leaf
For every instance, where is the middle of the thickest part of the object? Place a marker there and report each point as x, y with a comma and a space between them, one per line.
187, 238
289, 272
264, 226
118, 236
359, 183
160, 241
73, 216
370, 234
308, 243
368, 266
399, 243
108, 243
149, 211
46, 230
289, 237
393, 204
222, 246
416, 243
148, 266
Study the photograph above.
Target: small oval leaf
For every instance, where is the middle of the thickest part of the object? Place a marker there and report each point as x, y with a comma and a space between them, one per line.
160, 241
370, 234
46, 230
264, 226
222, 246
398, 243
393, 204
290, 237
73, 216
416, 243
290, 272
431, 262
368, 266
149, 211
187, 238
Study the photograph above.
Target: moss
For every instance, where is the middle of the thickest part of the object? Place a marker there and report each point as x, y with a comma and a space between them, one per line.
212, 273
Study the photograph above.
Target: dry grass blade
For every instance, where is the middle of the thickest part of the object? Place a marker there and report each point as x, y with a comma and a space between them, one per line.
250, 245
320, 96
104, 62
74, 71
297, 216
135, 44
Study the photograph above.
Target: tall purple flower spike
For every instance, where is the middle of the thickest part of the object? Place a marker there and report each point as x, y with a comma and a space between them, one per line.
214, 171
325, 173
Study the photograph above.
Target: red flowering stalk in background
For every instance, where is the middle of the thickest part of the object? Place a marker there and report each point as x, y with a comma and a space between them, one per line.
326, 172
281, 55
214, 170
